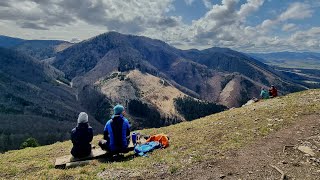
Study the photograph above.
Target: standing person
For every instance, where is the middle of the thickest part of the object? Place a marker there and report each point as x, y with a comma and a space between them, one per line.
273, 91
81, 137
264, 94
116, 135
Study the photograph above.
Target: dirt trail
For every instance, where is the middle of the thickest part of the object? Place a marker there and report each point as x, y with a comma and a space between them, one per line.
254, 161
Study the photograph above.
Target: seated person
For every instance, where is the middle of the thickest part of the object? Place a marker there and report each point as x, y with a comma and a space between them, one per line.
81, 137
264, 94
116, 135
273, 92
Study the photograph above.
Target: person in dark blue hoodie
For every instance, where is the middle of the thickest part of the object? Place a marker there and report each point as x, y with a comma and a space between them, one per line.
81, 137
116, 134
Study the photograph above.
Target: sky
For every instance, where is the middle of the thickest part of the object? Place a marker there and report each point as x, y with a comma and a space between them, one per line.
243, 25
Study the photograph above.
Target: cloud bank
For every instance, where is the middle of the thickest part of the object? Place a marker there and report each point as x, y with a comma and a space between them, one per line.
224, 24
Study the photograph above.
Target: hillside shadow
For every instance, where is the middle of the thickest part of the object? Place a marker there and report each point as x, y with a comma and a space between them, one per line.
117, 158
127, 155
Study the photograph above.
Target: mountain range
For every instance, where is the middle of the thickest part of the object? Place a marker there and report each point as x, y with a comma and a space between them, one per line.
217, 74
45, 84
304, 60
39, 49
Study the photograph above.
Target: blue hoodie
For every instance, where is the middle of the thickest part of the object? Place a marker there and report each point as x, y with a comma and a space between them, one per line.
117, 133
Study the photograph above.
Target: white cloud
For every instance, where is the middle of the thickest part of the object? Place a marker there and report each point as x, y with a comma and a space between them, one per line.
207, 3
224, 24
126, 16
267, 24
306, 40
215, 19
289, 27
249, 7
312, 33
189, 2
296, 11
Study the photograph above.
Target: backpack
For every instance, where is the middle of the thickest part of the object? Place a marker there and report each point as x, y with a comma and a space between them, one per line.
142, 149
161, 138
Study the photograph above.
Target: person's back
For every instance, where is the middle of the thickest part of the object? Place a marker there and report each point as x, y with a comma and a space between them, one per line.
116, 132
264, 94
81, 137
118, 129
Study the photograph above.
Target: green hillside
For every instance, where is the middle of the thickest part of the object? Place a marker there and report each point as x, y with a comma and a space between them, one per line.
192, 143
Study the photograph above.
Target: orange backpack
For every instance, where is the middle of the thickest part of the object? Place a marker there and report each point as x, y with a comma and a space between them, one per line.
161, 138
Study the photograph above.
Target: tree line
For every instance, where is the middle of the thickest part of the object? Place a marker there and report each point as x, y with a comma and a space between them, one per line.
191, 108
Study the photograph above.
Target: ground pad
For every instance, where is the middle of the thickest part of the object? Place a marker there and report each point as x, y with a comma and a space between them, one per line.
65, 161
68, 161
61, 162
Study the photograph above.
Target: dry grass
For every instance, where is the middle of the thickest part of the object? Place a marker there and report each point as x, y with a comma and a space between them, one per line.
155, 92
147, 87
199, 140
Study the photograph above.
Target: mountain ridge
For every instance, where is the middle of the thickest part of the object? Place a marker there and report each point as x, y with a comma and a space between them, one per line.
39, 49
195, 70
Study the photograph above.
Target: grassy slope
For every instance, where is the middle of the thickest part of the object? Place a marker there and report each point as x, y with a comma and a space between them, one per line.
195, 141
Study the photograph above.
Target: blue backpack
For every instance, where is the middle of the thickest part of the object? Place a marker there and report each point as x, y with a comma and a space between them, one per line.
142, 149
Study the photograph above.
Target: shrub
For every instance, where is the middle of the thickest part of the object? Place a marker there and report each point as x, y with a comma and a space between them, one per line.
30, 142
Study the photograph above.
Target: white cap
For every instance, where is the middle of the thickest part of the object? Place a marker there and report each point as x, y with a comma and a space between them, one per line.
83, 117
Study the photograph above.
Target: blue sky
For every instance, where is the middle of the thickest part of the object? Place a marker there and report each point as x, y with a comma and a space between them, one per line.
244, 25
189, 12
270, 9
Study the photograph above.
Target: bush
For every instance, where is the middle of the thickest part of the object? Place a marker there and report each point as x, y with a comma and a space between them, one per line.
30, 142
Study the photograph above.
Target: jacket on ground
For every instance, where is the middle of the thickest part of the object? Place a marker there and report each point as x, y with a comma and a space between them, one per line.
81, 137
161, 138
117, 134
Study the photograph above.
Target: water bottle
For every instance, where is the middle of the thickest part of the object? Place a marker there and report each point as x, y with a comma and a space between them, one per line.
134, 138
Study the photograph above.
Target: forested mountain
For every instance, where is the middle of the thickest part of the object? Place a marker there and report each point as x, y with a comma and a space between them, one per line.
42, 49
34, 102
216, 74
39, 49
7, 42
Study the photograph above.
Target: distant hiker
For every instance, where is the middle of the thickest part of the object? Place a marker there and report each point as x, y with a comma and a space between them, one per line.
81, 137
116, 135
264, 94
273, 92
